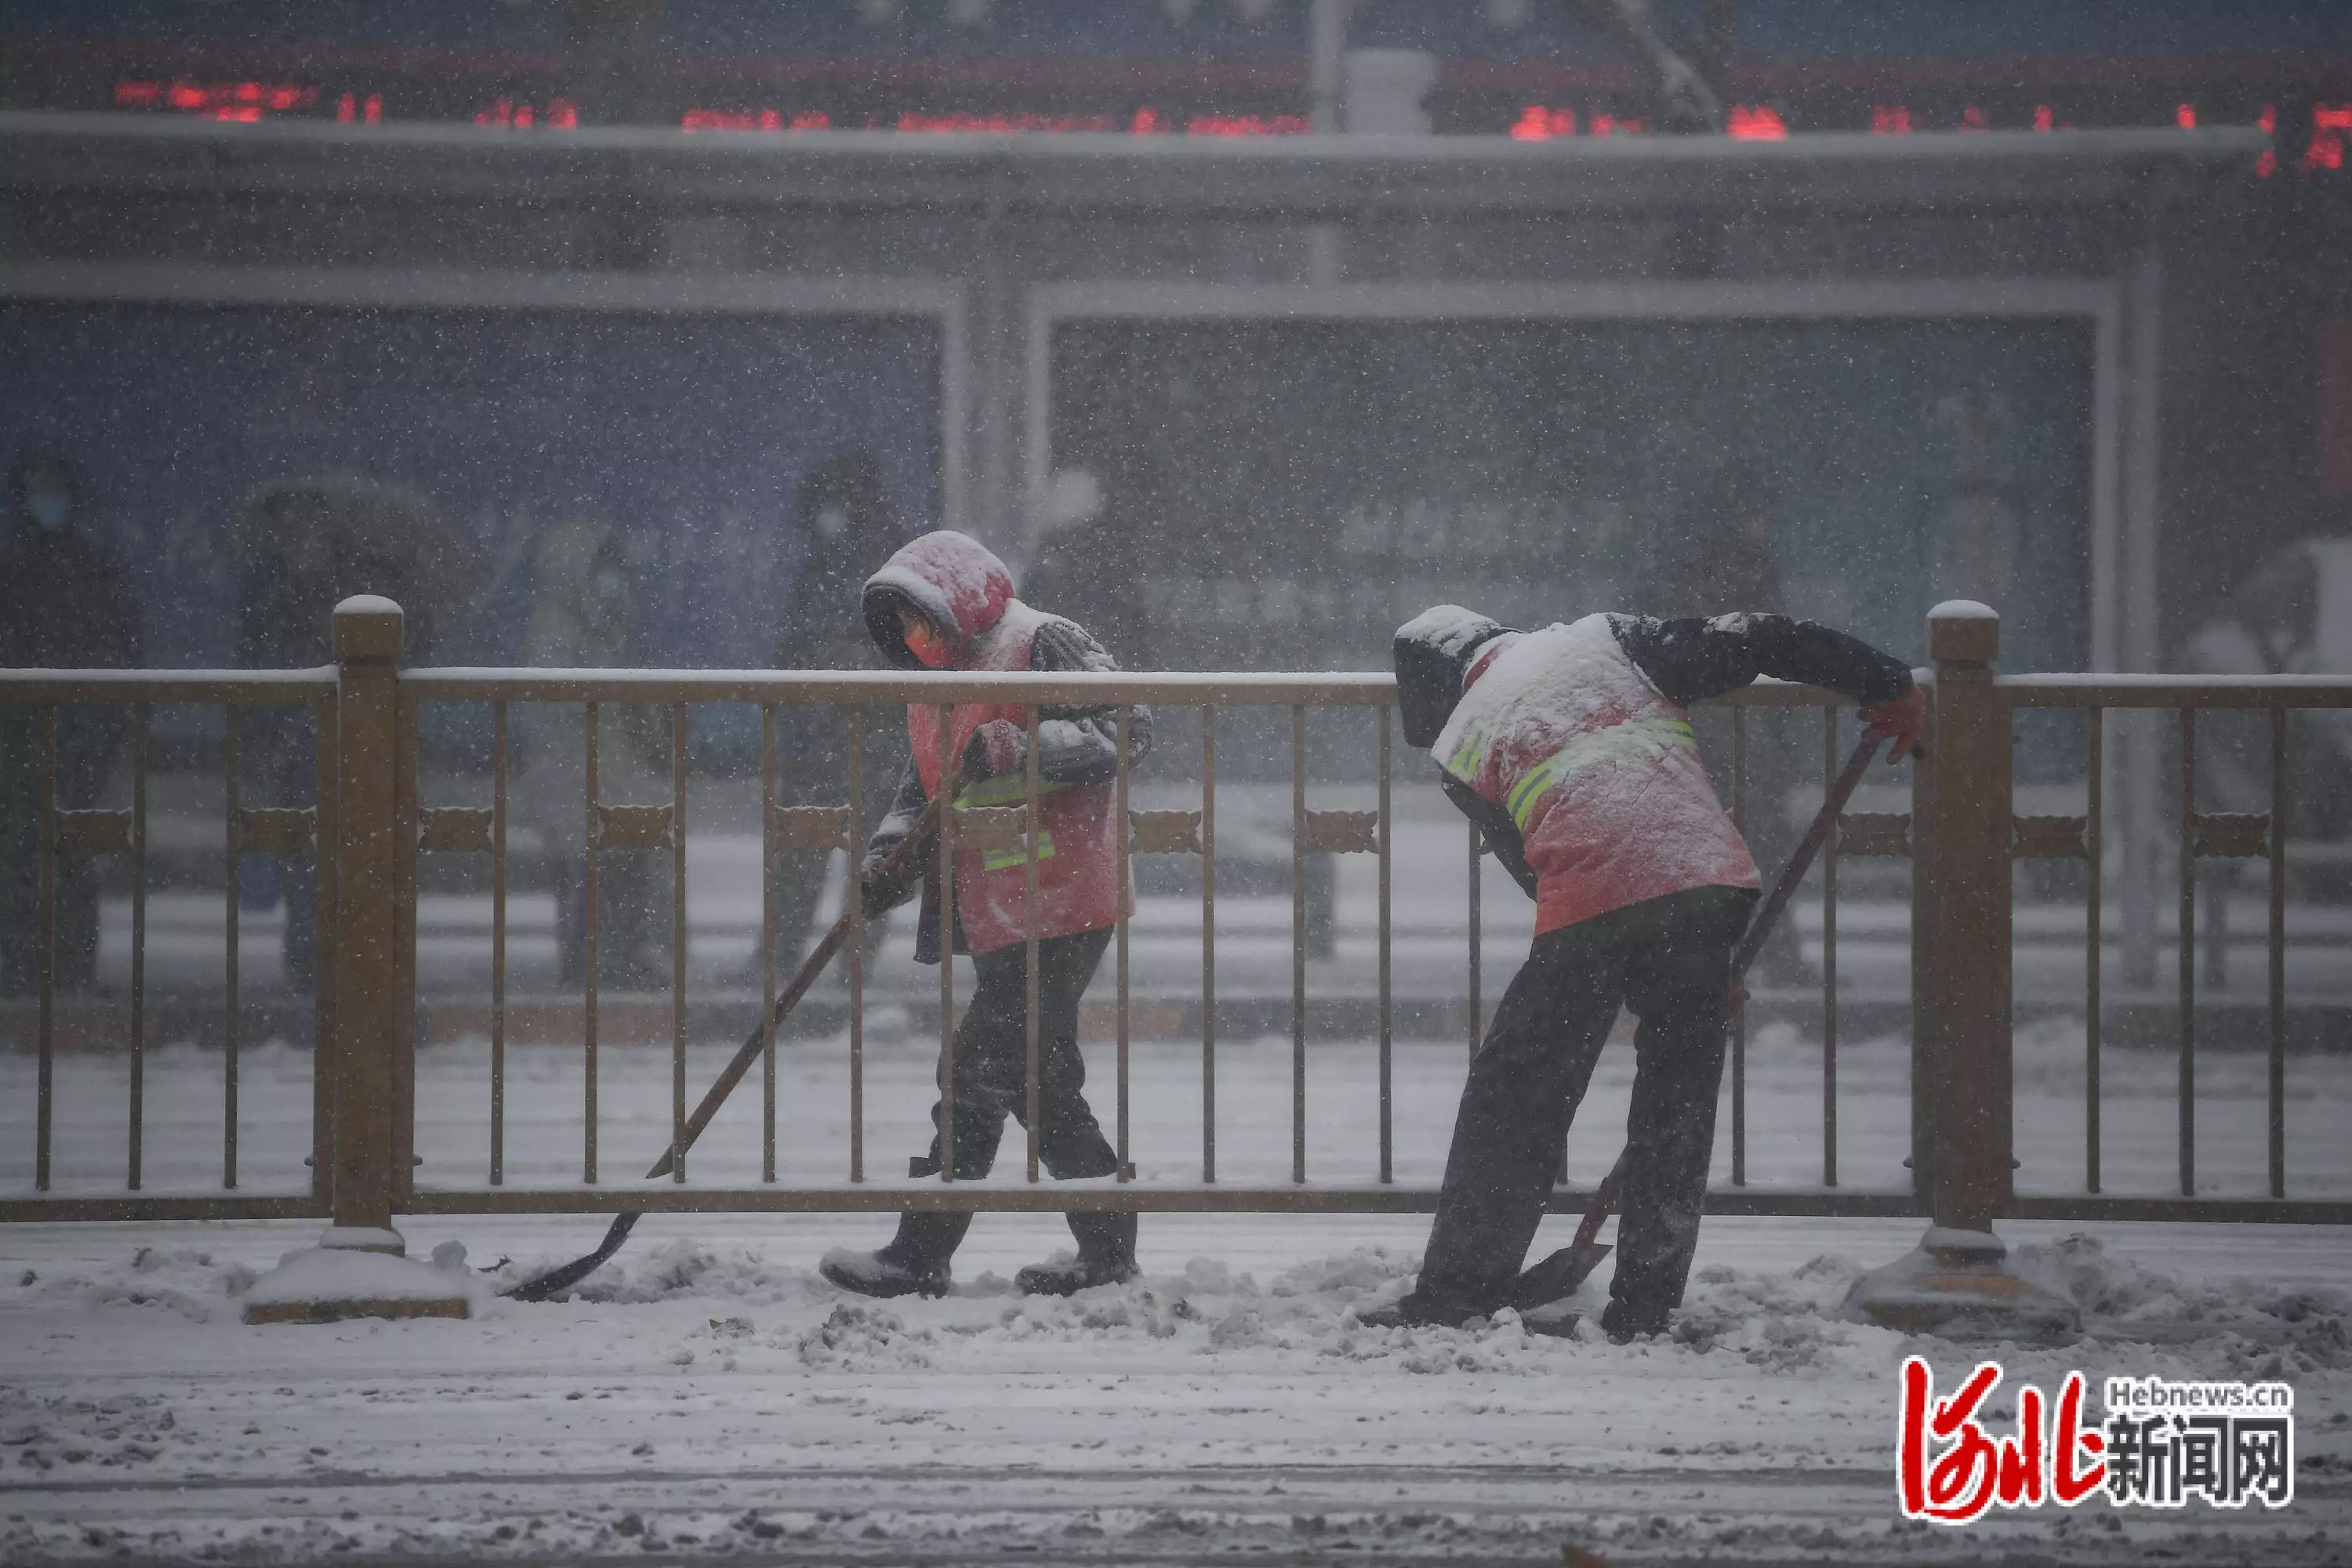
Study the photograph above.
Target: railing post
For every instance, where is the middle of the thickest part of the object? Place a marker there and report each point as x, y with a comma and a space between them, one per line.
1958, 1282
336, 1280
367, 645
1923, 959
1968, 912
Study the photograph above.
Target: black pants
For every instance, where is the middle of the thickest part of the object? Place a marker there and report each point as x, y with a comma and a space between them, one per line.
1669, 959
992, 1079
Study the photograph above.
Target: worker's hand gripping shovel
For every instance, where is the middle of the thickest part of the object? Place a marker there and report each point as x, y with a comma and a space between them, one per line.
540, 1287
1558, 1275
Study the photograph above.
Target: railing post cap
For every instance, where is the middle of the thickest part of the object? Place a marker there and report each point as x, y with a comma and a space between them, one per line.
368, 626
1963, 631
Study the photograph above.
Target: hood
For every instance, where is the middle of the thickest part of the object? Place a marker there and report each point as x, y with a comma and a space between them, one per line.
953, 579
1432, 652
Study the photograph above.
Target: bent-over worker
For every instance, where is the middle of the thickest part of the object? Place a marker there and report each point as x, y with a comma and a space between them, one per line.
1570, 748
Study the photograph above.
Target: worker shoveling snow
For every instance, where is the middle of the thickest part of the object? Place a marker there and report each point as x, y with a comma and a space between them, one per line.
1570, 749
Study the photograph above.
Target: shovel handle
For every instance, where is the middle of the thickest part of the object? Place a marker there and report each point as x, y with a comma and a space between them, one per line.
542, 1286
1784, 888
790, 998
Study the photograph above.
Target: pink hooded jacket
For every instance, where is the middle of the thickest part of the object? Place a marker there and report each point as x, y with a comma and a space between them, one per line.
962, 588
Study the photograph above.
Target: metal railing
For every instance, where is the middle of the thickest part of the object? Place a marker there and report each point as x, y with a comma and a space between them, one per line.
1008, 829
67, 832
2201, 836
371, 827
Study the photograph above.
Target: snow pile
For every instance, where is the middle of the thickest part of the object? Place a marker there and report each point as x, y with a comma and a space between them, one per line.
190, 1281
675, 1270
858, 1337
2250, 1328
1777, 1321
326, 1274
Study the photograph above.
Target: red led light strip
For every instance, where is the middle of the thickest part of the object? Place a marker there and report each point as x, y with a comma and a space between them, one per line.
241, 100
505, 114
252, 101
1147, 121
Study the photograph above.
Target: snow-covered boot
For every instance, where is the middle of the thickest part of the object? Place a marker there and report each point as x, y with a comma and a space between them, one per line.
913, 1264
1106, 1256
1068, 1276
879, 1274
1416, 1311
1624, 1322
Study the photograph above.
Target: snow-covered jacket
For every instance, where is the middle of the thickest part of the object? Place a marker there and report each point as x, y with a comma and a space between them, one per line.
964, 590
1573, 748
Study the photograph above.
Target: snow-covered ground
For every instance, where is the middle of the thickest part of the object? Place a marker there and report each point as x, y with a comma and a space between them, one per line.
708, 1393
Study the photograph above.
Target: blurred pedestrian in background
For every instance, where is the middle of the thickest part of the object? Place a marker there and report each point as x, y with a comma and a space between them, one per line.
1721, 558
301, 547
843, 514
66, 603
2290, 615
587, 613
1088, 561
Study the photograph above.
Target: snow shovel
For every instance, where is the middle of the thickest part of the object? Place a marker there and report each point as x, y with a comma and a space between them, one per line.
540, 1287
1558, 1275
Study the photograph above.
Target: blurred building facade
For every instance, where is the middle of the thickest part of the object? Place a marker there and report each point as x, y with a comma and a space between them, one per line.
2041, 305
925, 313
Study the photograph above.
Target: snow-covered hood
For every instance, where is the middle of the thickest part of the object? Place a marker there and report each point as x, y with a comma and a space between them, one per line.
954, 580
1432, 651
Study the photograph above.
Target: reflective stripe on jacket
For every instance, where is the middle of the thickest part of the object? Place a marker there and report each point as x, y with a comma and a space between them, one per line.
1079, 883
1598, 769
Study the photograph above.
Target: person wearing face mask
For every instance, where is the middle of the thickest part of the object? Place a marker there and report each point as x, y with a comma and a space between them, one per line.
844, 518
301, 547
66, 603
586, 614
945, 602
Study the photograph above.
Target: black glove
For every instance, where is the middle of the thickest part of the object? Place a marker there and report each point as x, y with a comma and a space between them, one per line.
879, 894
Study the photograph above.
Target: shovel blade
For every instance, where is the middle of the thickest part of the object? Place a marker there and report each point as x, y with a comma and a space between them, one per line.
1558, 1275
